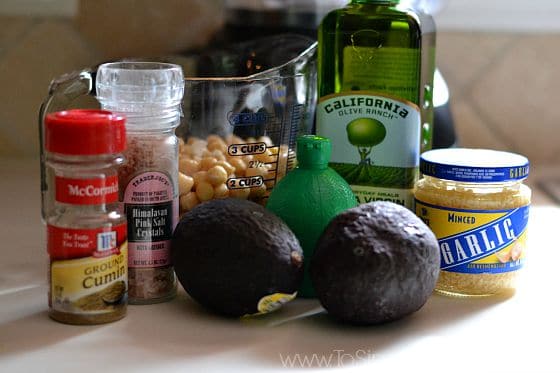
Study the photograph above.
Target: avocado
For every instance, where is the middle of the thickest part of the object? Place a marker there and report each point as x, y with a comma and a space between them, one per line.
236, 258
375, 263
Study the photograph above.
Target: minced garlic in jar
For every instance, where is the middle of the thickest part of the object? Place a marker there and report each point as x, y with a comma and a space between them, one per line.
478, 207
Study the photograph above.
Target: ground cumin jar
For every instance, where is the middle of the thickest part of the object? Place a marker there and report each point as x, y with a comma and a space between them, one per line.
478, 207
86, 233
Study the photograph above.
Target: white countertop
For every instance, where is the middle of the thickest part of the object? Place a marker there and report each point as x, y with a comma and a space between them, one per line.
515, 334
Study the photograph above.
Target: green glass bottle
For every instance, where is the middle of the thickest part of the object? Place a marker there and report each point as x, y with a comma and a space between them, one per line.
428, 69
370, 94
309, 196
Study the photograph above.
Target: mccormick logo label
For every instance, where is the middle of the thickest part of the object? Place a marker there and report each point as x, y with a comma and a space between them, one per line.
87, 191
69, 243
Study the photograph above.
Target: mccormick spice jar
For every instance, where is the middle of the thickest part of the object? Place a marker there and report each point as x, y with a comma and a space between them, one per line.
150, 95
478, 207
86, 234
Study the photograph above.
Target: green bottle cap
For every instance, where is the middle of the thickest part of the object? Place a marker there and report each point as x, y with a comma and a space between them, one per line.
313, 152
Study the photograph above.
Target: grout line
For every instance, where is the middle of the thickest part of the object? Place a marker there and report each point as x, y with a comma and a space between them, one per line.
497, 57
42, 8
19, 289
544, 186
490, 124
555, 158
95, 52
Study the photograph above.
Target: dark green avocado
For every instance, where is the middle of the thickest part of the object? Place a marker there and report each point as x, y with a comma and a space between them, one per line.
375, 263
229, 254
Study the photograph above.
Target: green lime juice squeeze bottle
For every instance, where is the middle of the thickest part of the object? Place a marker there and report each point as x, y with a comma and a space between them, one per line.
308, 197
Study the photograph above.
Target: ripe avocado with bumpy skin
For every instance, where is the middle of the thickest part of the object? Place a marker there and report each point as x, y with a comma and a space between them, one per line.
229, 254
375, 263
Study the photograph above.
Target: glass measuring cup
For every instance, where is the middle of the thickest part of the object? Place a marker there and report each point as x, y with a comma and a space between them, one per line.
246, 127
285, 92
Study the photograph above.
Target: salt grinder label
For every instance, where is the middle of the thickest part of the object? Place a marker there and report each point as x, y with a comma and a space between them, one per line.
152, 214
87, 191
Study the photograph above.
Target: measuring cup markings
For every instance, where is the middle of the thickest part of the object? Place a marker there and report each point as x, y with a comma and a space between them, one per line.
247, 149
245, 182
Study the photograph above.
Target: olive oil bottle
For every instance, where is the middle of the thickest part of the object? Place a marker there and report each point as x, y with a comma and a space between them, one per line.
370, 92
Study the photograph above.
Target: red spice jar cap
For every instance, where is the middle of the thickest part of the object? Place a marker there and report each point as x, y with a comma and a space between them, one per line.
85, 132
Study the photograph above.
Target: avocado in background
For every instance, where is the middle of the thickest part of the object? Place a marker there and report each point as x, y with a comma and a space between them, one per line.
375, 263
236, 258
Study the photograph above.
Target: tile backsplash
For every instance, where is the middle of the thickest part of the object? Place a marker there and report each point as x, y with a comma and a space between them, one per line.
502, 87
502, 84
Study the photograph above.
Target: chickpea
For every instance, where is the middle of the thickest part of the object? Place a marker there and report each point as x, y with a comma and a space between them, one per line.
229, 168
182, 149
188, 201
249, 140
185, 183
199, 177
204, 191
207, 163
181, 144
266, 140
186, 150
217, 175
218, 145
189, 166
197, 149
239, 165
248, 158
206, 153
265, 157
233, 139
221, 191
258, 192
218, 155
257, 171
191, 140
240, 193
213, 137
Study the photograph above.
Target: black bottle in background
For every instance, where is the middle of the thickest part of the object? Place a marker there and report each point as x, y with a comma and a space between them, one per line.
294, 23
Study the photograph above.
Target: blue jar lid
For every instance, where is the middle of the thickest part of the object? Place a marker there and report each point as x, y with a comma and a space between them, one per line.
474, 165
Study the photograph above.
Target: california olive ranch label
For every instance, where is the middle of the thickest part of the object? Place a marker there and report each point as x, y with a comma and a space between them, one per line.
373, 118
376, 143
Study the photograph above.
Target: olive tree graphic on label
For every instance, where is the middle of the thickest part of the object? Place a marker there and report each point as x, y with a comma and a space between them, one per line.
364, 134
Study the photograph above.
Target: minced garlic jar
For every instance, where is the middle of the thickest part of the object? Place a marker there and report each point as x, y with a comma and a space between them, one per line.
475, 202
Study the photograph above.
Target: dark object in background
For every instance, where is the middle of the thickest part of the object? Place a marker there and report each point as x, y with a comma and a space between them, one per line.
239, 58
444, 125
244, 23
246, 20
